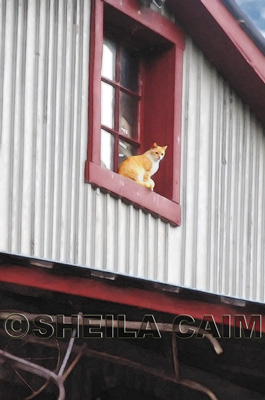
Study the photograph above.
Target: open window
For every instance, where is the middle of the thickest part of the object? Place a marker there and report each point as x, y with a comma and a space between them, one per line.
135, 97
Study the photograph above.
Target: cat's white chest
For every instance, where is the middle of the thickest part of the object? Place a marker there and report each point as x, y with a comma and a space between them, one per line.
155, 165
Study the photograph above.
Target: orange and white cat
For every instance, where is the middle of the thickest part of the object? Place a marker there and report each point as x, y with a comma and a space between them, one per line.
141, 168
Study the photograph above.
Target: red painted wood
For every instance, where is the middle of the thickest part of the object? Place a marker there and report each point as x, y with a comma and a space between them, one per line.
134, 193
110, 292
95, 81
150, 19
161, 109
162, 116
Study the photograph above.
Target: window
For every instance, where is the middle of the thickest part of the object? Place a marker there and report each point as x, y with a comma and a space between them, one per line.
135, 96
120, 103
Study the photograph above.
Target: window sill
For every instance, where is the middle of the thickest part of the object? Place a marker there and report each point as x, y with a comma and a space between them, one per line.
133, 193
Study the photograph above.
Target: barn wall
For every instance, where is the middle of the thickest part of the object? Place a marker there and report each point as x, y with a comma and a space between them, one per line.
48, 211
223, 160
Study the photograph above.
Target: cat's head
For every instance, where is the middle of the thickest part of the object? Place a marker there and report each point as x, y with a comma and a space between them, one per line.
157, 152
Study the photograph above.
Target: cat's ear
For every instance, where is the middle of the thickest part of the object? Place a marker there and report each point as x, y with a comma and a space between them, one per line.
154, 145
165, 147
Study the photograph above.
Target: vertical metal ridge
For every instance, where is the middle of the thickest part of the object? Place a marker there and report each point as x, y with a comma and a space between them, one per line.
222, 188
128, 240
35, 126
146, 247
61, 134
84, 254
105, 235
262, 236
156, 250
85, 208
12, 129
2, 64
237, 143
79, 28
210, 185
150, 245
229, 191
141, 265
242, 205
69, 202
22, 123
184, 158
136, 244
217, 189
43, 158
116, 237
256, 231
93, 227
131, 242
196, 170
248, 277
53, 127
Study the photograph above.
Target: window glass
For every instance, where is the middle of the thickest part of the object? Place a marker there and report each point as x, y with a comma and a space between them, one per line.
128, 118
107, 150
126, 150
129, 70
107, 105
108, 59
120, 102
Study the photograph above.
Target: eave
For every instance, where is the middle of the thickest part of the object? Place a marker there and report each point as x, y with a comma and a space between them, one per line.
225, 44
73, 280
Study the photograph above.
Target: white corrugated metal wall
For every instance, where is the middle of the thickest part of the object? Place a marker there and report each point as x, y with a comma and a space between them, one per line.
223, 182
47, 210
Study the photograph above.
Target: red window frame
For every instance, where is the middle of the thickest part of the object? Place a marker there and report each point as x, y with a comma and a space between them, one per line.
119, 89
161, 117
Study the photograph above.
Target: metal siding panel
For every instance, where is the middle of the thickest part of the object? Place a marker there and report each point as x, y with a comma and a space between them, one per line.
33, 105
210, 194
2, 62
228, 204
256, 222
4, 118
48, 211
262, 236
202, 171
11, 208
188, 201
237, 132
184, 160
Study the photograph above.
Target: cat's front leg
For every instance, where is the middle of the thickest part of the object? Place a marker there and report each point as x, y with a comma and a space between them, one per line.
150, 184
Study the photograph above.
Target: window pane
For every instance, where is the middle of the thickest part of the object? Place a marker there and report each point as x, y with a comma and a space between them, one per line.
126, 150
128, 115
108, 59
129, 70
107, 150
107, 105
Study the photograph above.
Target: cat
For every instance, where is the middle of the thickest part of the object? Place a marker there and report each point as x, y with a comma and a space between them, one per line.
141, 168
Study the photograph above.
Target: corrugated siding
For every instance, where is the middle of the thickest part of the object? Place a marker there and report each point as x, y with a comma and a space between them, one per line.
223, 161
48, 211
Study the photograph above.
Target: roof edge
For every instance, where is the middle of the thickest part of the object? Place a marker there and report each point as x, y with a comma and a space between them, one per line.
246, 23
224, 43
